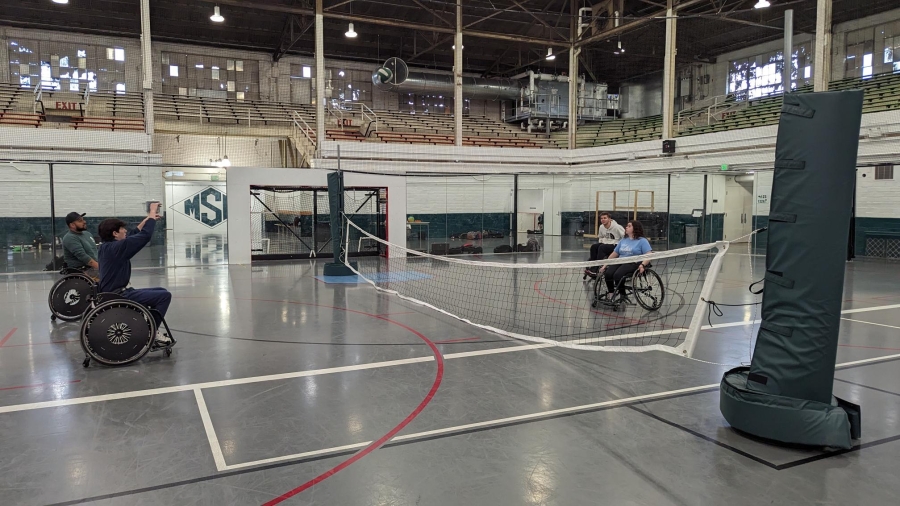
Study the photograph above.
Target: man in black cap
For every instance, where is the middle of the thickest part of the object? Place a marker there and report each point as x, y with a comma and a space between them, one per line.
79, 249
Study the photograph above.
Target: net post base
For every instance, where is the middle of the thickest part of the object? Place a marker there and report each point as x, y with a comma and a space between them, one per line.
786, 419
339, 269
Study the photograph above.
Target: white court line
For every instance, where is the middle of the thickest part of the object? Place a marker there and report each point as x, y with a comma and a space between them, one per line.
214, 445
871, 323
529, 416
317, 372
867, 309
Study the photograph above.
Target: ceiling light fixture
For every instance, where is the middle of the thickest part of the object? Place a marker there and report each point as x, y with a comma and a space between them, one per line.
60, 1
453, 47
762, 4
217, 16
351, 33
550, 55
621, 49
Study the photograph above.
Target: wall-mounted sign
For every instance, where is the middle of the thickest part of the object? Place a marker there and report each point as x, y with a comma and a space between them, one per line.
209, 207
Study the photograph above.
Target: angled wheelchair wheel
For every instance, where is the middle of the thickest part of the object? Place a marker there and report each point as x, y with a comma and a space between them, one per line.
648, 289
70, 297
117, 332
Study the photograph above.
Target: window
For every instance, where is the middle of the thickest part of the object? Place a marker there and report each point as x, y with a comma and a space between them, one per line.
120, 87
307, 72
173, 70
65, 66
884, 172
761, 75
211, 76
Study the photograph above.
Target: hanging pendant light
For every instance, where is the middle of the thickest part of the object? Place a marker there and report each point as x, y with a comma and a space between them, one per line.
217, 16
351, 33
762, 4
550, 55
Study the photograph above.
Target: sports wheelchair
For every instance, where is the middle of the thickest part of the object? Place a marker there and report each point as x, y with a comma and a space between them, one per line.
118, 331
647, 289
71, 295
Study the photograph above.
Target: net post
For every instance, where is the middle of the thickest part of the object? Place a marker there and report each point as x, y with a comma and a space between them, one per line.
690, 341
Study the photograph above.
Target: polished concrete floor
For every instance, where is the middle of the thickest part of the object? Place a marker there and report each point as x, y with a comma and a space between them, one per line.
279, 378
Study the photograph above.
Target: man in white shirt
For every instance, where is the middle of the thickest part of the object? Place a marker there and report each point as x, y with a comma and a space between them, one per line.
607, 238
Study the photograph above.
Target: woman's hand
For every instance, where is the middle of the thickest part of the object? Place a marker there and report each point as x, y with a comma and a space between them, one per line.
641, 268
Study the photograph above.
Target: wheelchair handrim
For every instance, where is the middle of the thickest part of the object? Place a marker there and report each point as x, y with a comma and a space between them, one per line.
118, 332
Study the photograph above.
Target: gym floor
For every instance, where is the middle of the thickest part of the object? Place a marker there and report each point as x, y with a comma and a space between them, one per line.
278, 378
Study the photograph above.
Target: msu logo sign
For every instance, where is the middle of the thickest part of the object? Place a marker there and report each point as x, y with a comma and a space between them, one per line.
209, 207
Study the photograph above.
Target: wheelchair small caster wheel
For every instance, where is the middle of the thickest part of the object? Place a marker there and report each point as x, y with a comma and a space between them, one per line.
87, 362
168, 352
53, 318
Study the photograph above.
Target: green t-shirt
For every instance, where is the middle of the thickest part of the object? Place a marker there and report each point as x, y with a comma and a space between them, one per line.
79, 249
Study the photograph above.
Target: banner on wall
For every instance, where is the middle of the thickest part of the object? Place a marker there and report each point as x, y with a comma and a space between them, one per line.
200, 208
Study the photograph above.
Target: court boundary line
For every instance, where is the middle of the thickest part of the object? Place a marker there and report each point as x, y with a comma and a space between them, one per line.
214, 445
343, 451
530, 416
333, 370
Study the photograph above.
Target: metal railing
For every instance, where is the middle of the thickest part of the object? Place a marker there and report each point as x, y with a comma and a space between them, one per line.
368, 115
719, 106
300, 130
38, 96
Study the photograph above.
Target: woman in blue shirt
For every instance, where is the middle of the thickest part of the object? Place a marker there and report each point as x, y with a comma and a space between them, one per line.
633, 244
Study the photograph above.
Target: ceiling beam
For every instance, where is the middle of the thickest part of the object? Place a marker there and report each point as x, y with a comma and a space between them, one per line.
290, 37
538, 19
434, 13
625, 28
243, 4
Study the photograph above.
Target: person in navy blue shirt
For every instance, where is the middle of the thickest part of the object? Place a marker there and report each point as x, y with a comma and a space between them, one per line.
115, 256
633, 244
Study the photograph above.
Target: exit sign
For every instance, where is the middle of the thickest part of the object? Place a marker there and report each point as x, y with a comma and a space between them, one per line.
724, 166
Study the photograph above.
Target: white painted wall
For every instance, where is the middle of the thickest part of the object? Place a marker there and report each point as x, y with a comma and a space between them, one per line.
187, 149
98, 190
877, 199
241, 178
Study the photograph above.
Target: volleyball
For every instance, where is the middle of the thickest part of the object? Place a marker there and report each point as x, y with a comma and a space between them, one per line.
383, 75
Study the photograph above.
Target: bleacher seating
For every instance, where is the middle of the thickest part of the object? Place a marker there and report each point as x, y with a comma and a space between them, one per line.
882, 93
125, 112
438, 129
224, 112
620, 131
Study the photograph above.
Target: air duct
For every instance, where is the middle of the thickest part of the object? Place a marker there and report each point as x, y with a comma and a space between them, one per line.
395, 76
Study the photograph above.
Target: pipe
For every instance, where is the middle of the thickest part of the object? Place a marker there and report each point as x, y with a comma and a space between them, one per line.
473, 87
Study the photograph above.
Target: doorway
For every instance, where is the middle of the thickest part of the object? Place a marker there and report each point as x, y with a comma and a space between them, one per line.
738, 207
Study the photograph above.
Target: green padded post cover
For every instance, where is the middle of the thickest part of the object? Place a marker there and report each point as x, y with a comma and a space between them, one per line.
336, 207
786, 394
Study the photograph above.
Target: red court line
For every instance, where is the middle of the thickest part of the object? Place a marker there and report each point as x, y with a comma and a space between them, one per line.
385, 438
613, 316
458, 340
6, 338
38, 385
42, 344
